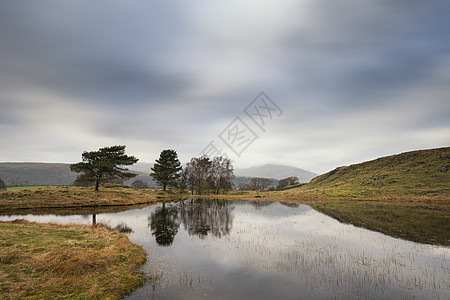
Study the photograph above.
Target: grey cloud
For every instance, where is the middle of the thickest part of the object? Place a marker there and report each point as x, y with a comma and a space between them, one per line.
352, 51
96, 52
174, 74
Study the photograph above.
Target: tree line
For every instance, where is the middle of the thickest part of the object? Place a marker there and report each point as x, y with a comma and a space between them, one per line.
200, 175
268, 184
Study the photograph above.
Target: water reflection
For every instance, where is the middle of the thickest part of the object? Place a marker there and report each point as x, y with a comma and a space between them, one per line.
199, 217
164, 223
203, 217
260, 204
268, 250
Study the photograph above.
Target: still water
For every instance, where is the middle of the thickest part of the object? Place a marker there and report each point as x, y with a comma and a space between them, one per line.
200, 249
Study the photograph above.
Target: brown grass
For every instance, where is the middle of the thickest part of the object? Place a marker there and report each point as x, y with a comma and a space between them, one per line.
47, 261
60, 197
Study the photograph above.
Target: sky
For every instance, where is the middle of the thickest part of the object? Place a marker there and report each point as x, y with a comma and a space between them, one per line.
313, 84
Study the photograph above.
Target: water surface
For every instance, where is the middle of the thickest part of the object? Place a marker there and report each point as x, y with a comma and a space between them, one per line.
202, 249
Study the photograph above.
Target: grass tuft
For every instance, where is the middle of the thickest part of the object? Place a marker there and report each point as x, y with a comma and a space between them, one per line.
48, 261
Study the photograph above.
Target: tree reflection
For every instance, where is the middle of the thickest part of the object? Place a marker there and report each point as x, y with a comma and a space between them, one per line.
258, 204
290, 204
164, 223
201, 217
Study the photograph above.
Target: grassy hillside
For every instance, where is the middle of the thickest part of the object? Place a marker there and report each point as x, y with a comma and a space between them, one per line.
416, 173
405, 195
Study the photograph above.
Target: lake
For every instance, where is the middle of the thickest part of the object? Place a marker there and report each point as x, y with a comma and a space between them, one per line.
214, 249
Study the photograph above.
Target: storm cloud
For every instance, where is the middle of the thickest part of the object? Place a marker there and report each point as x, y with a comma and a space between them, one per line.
355, 79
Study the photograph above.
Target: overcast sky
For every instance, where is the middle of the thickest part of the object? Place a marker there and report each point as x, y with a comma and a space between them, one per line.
348, 81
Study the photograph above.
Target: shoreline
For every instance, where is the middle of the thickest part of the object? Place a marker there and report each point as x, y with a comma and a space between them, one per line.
415, 218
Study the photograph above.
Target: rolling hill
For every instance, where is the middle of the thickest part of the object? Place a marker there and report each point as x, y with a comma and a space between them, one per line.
417, 173
36, 174
276, 171
23, 174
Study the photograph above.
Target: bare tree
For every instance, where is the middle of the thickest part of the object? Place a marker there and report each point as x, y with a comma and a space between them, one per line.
202, 175
287, 182
221, 175
185, 181
259, 184
200, 172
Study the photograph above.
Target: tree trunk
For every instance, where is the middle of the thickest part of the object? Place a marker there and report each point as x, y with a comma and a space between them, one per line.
94, 219
97, 183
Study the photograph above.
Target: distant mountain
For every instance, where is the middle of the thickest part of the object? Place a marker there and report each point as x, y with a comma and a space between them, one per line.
145, 177
142, 167
277, 172
36, 174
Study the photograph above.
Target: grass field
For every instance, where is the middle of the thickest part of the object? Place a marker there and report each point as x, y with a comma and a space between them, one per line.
47, 261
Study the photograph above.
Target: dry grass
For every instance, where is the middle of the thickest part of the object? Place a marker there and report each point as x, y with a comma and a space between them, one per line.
59, 197
47, 261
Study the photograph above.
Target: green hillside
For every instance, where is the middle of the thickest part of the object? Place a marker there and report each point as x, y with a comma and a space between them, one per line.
416, 173
405, 195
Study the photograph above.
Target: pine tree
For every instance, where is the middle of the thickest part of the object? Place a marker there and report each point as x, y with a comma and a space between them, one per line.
166, 170
103, 165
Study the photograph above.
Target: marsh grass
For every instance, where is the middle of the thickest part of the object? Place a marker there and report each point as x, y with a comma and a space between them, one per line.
48, 261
